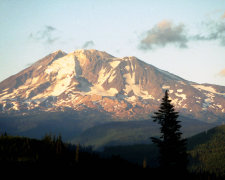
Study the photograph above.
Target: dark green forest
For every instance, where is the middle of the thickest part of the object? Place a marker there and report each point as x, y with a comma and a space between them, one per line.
207, 151
206, 155
52, 152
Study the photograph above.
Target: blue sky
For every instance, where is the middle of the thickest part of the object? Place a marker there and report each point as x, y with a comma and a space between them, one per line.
184, 37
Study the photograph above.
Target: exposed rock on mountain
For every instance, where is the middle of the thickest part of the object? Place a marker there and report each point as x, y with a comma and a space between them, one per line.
124, 87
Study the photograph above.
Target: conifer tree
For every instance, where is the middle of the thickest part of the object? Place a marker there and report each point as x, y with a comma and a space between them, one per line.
172, 148
59, 144
77, 153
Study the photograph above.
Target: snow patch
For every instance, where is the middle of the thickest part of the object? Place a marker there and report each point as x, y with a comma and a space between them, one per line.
103, 76
136, 88
4, 93
207, 102
63, 66
49, 71
145, 95
179, 90
114, 64
183, 96
6, 89
112, 91
165, 87
15, 106
132, 98
219, 106
112, 77
175, 101
99, 90
181, 82
65, 69
127, 68
207, 88
81, 57
35, 80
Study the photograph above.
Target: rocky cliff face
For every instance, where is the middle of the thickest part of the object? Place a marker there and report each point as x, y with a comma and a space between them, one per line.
90, 79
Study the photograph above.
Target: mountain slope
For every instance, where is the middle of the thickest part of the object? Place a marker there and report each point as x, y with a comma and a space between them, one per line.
69, 124
133, 132
127, 88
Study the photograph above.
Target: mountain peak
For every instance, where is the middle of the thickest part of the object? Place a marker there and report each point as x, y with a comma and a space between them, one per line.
92, 52
57, 51
125, 87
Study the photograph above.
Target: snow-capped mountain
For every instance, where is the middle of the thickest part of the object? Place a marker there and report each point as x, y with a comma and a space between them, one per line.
123, 87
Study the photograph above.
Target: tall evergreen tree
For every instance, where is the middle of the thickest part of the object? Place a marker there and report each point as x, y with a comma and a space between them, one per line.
172, 148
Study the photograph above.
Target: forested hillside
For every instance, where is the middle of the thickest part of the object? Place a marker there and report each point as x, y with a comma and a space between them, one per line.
52, 153
206, 152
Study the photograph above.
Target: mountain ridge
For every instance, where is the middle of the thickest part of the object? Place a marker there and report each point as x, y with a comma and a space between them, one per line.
90, 79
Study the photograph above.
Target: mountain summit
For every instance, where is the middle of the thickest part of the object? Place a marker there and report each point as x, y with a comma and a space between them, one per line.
123, 87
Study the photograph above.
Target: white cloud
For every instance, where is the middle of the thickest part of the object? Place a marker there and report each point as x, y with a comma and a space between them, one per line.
214, 30
164, 33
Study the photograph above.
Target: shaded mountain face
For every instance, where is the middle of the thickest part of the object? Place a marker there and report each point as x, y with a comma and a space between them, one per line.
126, 88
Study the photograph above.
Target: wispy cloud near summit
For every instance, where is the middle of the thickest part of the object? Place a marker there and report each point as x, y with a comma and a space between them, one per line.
88, 44
45, 35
